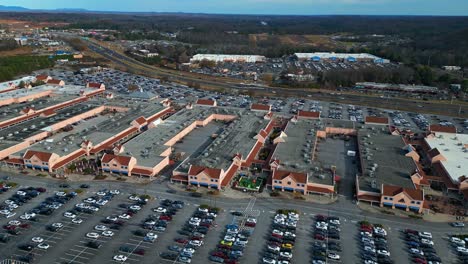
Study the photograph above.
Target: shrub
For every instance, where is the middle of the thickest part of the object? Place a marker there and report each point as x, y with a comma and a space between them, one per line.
79, 191
100, 177
274, 194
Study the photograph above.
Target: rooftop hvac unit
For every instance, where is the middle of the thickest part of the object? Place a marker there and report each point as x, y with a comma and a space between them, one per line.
16, 132
65, 149
369, 158
321, 176
374, 184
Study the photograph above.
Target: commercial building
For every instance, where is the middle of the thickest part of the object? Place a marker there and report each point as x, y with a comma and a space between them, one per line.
242, 135
14, 84
340, 57
390, 175
227, 58
397, 87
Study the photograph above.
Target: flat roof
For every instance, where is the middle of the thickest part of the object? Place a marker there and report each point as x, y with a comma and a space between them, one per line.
236, 137
383, 160
148, 146
6, 85
96, 129
31, 127
295, 153
452, 147
13, 110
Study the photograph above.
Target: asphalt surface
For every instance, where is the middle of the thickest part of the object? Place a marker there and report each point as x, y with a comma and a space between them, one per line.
67, 245
356, 99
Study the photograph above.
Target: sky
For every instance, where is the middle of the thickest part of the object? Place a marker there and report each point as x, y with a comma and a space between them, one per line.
281, 7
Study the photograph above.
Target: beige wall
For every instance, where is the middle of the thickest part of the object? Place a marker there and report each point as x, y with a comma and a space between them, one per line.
284, 184
26, 97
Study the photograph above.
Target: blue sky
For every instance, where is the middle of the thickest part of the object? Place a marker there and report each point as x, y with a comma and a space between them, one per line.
298, 7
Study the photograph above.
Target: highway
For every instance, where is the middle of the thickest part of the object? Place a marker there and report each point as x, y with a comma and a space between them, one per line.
210, 82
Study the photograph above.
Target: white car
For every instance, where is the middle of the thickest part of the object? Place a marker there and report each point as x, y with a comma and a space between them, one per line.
229, 238
184, 260
205, 210
251, 220
101, 193
14, 222
124, 216
101, 228
37, 239
112, 218
425, 235
462, 249
457, 240
5, 212
196, 243
274, 248
152, 235
268, 261
108, 233
120, 258
383, 253
289, 234
9, 202
160, 210
188, 250
366, 234
92, 235
134, 198
334, 222
10, 215
43, 246
287, 255
293, 216
77, 221
69, 215
277, 232
427, 241
61, 194
333, 256
135, 207
57, 225
115, 192
22, 193
416, 251
368, 261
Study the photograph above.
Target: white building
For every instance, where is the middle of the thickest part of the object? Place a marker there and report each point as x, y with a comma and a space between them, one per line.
227, 58
331, 56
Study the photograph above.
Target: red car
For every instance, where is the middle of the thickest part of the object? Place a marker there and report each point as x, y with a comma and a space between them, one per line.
276, 235
366, 229
139, 251
9, 227
319, 237
411, 231
230, 261
205, 225
165, 218
41, 190
219, 254
196, 238
419, 260
321, 217
25, 225
250, 224
181, 240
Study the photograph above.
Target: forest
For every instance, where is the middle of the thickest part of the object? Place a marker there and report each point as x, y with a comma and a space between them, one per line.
15, 65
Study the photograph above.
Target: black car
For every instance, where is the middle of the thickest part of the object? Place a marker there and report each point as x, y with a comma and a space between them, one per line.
237, 213
27, 247
139, 233
84, 186
64, 185
168, 255
93, 244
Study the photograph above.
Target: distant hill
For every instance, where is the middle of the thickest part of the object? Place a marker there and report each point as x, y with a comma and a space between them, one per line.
13, 8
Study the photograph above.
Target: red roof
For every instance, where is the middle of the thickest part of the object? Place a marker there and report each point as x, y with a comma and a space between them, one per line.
122, 160
54, 81
308, 114
439, 128
69, 159
315, 189
115, 139
141, 120
229, 175
94, 85
252, 154
389, 190
376, 120
14, 161
42, 156
142, 171
433, 153
260, 107
297, 176
205, 102
263, 133
42, 77
212, 173
159, 115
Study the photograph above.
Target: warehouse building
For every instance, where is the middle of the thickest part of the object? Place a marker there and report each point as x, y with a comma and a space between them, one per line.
227, 58
340, 57
397, 87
